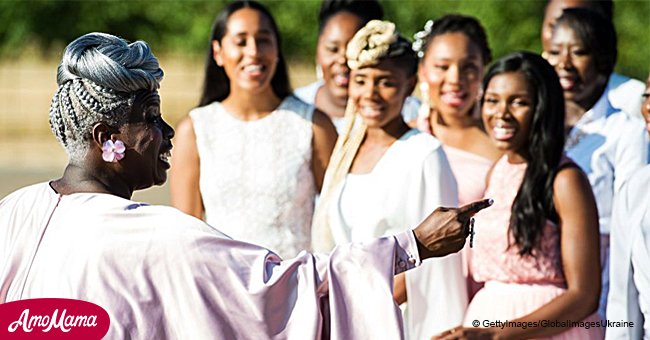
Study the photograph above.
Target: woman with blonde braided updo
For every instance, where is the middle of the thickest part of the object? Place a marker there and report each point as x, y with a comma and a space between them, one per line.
383, 176
338, 21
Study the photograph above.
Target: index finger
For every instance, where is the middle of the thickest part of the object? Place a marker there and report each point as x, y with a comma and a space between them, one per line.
469, 210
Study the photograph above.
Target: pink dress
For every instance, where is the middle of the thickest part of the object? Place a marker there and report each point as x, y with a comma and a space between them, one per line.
470, 170
515, 286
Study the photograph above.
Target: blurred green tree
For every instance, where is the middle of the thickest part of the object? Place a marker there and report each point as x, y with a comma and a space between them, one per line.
183, 27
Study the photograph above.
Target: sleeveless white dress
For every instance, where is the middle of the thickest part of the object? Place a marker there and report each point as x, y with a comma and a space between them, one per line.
256, 180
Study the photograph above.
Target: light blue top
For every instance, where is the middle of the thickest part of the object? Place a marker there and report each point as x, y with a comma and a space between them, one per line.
608, 144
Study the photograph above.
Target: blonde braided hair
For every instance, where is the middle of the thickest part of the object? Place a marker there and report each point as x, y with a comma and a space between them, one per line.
372, 43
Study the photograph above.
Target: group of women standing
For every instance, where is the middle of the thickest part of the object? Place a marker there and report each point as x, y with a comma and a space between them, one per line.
253, 157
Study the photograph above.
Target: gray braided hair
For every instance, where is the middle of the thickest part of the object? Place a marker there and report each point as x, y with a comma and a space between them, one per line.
98, 78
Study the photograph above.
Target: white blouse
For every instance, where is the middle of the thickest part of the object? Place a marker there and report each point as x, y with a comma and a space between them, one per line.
411, 179
629, 294
608, 145
625, 93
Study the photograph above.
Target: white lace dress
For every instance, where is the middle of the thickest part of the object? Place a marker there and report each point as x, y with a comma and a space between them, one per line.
256, 180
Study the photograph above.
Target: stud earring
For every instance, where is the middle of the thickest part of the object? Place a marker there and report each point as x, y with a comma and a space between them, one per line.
113, 151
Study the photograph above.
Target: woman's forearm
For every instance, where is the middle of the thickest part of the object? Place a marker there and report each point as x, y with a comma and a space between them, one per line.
572, 306
399, 288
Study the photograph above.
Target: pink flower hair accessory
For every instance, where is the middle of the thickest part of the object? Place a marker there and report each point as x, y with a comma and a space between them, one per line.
113, 151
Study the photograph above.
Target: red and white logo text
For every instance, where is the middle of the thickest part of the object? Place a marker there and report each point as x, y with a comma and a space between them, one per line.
52, 319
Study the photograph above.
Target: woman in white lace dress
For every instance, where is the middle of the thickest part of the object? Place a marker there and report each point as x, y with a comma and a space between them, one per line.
251, 157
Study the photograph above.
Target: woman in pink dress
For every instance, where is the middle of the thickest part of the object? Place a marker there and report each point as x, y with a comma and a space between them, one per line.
536, 249
453, 53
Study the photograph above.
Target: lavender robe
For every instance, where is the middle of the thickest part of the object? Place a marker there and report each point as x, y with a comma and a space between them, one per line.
161, 274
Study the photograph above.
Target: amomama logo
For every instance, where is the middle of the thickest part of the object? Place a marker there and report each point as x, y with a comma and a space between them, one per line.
52, 319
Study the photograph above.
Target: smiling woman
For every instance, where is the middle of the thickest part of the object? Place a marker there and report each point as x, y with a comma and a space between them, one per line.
605, 139
536, 251
122, 117
383, 176
454, 52
157, 272
252, 157
150, 136
338, 21
510, 93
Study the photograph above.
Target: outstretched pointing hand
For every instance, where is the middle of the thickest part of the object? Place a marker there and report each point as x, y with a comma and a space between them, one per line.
445, 230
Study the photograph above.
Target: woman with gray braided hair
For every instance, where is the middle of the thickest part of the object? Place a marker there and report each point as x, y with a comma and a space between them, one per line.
162, 274
94, 104
383, 176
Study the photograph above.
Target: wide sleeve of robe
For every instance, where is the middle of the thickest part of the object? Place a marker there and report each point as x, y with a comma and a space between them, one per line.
161, 274
225, 289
